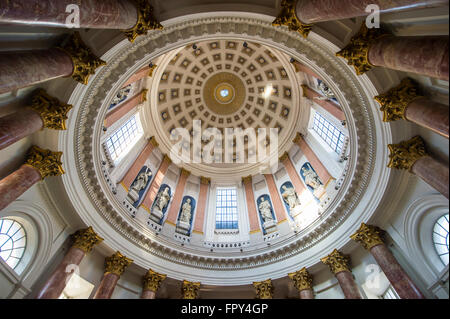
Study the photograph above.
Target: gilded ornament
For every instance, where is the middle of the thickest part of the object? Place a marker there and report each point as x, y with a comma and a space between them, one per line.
116, 264
153, 141
337, 262
284, 157
369, 236
144, 95
189, 290
288, 17
145, 21
152, 280
52, 111
406, 153
247, 179
357, 51
264, 289
205, 180
302, 279
395, 101
150, 71
48, 163
84, 61
86, 239
167, 159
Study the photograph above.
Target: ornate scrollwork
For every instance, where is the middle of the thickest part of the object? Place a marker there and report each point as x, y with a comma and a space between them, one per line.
48, 163
395, 101
152, 280
86, 239
264, 289
146, 21
357, 51
369, 236
116, 264
287, 17
144, 95
337, 262
189, 290
298, 137
52, 111
404, 154
84, 61
302, 279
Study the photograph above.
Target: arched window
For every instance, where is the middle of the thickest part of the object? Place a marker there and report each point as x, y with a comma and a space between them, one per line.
13, 241
440, 238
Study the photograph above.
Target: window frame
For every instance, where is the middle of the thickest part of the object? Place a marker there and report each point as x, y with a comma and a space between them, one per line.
230, 223
326, 130
24, 247
437, 225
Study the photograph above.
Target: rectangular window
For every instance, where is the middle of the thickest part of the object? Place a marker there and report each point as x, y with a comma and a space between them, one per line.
226, 209
329, 133
124, 138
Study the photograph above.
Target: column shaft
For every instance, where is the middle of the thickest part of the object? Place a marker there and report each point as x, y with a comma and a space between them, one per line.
422, 55
25, 68
348, 285
107, 285
119, 111
201, 207
177, 197
137, 165
293, 175
15, 126
307, 294
251, 206
329, 106
99, 14
434, 173
55, 285
156, 184
403, 285
15, 184
429, 114
138, 76
278, 206
148, 294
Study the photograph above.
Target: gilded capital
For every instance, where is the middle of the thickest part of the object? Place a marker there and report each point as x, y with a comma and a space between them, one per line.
264, 289
205, 180
357, 51
167, 159
302, 279
152, 280
145, 21
288, 17
298, 137
369, 236
395, 101
116, 264
284, 157
144, 95
189, 290
185, 172
404, 154
52, 111
48, 163
84, 61
305, 89
337, 262
247, 179
153, 141
150, 71
86, 239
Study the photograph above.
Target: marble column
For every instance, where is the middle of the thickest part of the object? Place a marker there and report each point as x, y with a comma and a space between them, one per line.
406, 102
251, 206
39, 164
339, 266
426, 55
264, 289
138, 163
123, 108
156, 183
370, 237
330, 106
189, 290
25, 68
292, 172
44, 111
177, 197
115, 265
152, 282
278, 205
201, 207
412, 156
303, 282
84, 241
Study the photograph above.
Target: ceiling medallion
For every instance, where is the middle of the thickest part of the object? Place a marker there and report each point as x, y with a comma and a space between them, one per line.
224, 93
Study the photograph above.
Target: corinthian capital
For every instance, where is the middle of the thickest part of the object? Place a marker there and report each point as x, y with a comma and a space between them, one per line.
52, 111
287, 17
116, 264
369, 236
264, 289
145, 21
395, 101
302, 279
189, 289
337, 262
152, 280
86, 239
406, 153
48, 163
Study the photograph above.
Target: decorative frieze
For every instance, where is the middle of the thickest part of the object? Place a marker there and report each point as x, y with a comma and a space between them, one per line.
48, 163
369, 236
337, 262
189, 290
404, 154
86, 239
146, 21
152, 280
264, 289
52, 111
287, 17
302, 279
116, 264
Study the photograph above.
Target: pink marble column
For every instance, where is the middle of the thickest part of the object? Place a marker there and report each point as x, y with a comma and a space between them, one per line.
278, 206
177, 197
251, 206
328, 105
142, 73
307, 294
293, 175
312, 11
148, 294
421, 55
201, 207
15, 126
348, 285
115, 265
119, 111
107, 286
429, 114
433, 172
95, 14
26, 68
156, 184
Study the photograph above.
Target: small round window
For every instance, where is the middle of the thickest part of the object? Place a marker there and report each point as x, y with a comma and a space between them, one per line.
440, 238
13, 241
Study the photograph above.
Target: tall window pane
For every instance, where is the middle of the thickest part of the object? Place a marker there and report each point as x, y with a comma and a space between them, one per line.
226, 209
13, 241
329, 133
124, 138
440, 238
